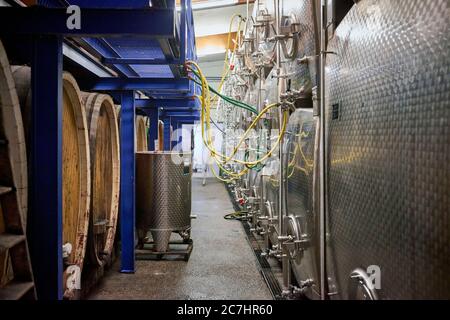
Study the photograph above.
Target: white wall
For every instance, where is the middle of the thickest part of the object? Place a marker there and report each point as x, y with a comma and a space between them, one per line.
201, 152
217, 20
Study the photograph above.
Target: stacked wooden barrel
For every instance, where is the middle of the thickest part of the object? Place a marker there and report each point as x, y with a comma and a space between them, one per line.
160, 135
76, 174
141, 133
76, 170
105, 169
140, 128
90, 173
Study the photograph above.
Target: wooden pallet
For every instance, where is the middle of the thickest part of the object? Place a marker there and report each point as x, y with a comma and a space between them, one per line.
174, 252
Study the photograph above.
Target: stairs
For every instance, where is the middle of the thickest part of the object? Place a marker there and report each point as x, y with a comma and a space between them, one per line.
13, 247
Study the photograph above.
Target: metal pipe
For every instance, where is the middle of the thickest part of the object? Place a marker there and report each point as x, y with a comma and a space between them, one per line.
283, 186
322, 153
281, 191
280, 117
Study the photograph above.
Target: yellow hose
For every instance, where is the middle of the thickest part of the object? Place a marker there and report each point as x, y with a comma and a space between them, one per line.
226, 65
205, 100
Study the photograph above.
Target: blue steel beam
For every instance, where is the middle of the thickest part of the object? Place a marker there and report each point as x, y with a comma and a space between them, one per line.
180, 137
184, 120
174, 140
180, 114
177, 143
174, 121
153, 130
104, 49
78, 56
127, 183
111, 3
167, 145
150, 61
186, 103
45, 219
149, 84
149, 22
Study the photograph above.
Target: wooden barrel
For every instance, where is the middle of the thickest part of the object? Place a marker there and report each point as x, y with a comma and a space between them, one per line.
76, 185
76, 175
141, 133
13, 170
160, 135
140, 129
14, 128
105, 175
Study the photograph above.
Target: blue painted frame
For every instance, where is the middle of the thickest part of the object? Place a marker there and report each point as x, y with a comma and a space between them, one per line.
127, 181
48, 27
153, 114
149, 84
45, 216
149, 22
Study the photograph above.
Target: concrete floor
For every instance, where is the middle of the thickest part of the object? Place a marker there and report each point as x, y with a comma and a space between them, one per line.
222, 264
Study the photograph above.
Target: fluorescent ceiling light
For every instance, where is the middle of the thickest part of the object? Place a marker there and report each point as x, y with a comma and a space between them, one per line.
211, 4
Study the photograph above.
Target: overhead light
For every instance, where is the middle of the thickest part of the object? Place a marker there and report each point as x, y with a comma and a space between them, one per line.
211, 4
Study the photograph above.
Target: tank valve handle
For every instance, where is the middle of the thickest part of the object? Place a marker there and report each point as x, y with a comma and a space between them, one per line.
193, 216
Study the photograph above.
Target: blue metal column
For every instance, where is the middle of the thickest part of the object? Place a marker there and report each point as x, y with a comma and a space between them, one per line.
180, 135
174, 141
153, 130
127, 186
45, 218
167, 143
183, 43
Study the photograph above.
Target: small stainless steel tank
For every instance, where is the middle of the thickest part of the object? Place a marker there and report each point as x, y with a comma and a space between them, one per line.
163, 196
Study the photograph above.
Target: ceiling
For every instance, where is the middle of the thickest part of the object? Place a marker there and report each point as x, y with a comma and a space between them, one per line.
212, 24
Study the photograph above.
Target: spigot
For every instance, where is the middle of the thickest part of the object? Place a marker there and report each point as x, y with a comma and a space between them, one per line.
285, 238
271, 253
257, 54
304, 60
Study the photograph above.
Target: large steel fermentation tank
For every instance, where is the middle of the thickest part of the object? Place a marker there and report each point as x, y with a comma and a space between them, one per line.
387, 101
302, 221
163, 196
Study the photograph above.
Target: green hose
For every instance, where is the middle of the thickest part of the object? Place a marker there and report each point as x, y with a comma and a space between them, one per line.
232, 101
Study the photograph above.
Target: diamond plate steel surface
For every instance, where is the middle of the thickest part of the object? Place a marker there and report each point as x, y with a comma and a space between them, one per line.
388, 109
301, 143
163, 192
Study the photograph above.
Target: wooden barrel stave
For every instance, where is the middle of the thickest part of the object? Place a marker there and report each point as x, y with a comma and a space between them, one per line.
141, 133
105, 170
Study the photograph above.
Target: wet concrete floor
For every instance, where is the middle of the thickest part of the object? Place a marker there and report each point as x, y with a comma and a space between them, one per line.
222, 264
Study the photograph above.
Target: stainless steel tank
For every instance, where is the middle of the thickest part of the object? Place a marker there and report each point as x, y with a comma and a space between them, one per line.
302, 222
163, 196
299, 50
388, 111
